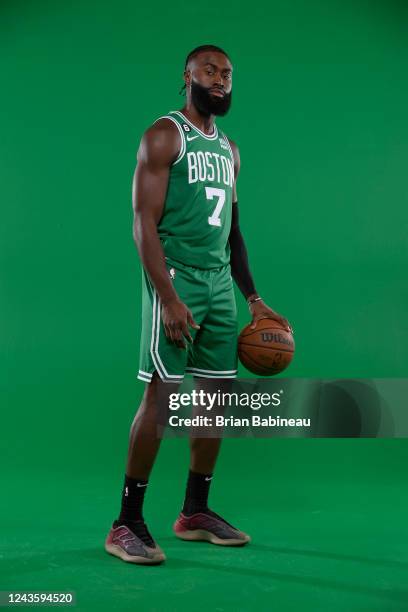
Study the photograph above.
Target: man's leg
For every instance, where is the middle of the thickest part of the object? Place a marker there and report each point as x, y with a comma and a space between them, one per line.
197, 521
129, 537
144, 443
205, 445
215, 363
204, 453
144, 438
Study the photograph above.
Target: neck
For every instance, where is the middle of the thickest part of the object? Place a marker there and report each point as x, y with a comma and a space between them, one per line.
205, 123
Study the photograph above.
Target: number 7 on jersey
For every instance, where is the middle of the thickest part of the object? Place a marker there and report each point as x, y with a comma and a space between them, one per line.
211, 193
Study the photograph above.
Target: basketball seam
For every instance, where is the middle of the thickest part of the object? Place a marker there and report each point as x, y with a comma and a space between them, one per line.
260, 367
270, 348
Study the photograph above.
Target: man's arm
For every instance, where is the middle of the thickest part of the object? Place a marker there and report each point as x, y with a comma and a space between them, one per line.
239, 256
239, 260
158, 149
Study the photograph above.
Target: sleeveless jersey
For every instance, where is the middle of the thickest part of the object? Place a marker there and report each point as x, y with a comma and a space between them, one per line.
196, 220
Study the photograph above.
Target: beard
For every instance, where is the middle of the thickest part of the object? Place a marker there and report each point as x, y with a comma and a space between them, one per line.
206, 103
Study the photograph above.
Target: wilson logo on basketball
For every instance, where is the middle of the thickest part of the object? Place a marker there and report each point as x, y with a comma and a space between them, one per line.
266, 350
271, 337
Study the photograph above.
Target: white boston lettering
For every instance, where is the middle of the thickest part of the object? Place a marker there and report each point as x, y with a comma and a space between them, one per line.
225, 170
209, 167
210, 175
201, 166
192, 167
216, 156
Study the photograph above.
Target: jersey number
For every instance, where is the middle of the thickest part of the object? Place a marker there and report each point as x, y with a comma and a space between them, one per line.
212, 192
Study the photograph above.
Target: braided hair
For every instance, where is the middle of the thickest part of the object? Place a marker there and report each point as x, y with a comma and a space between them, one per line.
195, 52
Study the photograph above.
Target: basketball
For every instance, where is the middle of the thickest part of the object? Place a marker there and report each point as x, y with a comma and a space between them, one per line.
266, 350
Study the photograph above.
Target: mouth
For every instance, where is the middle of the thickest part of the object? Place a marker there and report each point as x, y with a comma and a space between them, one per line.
217, 92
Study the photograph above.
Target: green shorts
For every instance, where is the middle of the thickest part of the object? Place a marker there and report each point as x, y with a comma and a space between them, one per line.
209, 294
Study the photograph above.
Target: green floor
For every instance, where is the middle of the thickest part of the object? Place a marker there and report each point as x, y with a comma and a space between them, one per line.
327, 518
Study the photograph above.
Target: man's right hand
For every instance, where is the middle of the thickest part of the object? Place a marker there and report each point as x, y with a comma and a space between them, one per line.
176, 319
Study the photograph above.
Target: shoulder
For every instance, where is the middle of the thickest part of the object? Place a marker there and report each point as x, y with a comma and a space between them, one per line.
161, 141
162, 132
164, 126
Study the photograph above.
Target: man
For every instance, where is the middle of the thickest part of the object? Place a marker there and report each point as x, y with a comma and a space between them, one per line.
187, 233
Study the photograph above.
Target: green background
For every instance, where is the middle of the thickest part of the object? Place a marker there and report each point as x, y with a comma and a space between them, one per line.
319, 114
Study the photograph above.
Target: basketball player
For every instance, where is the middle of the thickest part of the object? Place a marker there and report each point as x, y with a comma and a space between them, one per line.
187, 233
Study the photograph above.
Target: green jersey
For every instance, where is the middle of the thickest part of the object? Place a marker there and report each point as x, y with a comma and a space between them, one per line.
196, 220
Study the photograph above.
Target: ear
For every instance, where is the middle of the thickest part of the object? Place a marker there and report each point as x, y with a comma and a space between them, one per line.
187, 77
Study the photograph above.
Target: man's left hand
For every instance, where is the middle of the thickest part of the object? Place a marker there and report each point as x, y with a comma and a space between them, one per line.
259, 310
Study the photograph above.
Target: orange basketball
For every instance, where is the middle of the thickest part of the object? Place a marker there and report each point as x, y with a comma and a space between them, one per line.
266, 350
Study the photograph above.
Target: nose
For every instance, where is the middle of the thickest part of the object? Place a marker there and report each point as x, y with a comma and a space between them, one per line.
218, 81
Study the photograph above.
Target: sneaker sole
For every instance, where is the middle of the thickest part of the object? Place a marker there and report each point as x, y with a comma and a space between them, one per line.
202, 535
117, 551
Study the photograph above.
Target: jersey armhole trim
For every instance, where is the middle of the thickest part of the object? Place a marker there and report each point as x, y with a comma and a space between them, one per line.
229, 147
183, 140
230, 150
